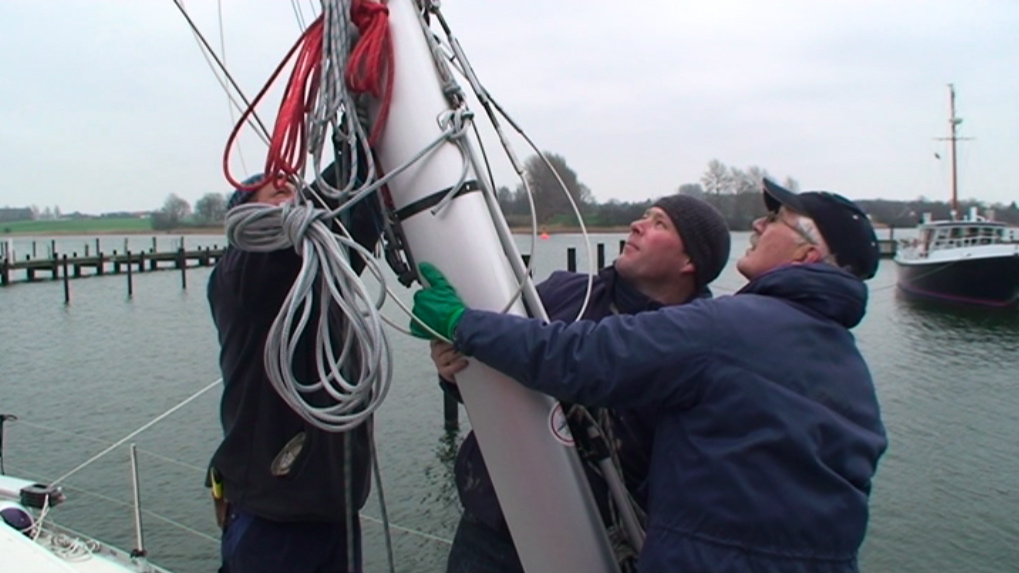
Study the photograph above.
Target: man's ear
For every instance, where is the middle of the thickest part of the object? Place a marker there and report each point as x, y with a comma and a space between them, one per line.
808, 254
688, 267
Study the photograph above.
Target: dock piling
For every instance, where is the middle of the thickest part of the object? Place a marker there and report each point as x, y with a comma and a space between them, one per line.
130, 282
450, 412
183, 265
67, 283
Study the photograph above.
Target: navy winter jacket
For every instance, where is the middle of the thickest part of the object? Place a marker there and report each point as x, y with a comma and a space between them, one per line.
562, 295
769, 431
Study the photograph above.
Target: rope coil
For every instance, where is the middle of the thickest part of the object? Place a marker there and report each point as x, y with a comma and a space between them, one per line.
325, 281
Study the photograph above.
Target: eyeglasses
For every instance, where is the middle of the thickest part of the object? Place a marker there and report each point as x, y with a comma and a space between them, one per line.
776, 216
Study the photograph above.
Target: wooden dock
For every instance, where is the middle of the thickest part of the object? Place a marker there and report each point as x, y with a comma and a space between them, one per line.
61, 266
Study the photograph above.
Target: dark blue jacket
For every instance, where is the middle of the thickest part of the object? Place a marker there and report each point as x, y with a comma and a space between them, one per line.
562, 295
769, 431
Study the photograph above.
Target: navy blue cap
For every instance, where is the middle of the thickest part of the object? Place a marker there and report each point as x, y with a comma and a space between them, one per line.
843, 225
241, 196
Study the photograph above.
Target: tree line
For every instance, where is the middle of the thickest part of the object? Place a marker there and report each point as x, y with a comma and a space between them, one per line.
735, 192
176, 212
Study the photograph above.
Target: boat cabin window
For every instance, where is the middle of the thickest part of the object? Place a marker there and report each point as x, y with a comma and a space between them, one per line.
963, 236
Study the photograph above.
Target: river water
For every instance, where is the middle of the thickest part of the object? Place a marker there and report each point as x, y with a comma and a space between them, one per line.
83, 376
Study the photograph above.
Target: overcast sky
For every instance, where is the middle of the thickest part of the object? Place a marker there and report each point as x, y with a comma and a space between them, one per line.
109, 105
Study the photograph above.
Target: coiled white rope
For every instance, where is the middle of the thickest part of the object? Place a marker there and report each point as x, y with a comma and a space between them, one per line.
326, 283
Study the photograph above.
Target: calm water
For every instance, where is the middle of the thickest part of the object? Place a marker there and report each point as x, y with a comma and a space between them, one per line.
83, 376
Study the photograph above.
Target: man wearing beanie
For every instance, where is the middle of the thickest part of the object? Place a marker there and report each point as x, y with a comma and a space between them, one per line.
768, 431
287, 493
672, 254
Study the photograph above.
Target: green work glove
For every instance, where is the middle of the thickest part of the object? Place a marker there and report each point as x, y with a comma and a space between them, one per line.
436, 305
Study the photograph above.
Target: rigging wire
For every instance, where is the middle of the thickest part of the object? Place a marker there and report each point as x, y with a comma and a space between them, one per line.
298, 13
208, 52
458, 59
230, 103
144, 427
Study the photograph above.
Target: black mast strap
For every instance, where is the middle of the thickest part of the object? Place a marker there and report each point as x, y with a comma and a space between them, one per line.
429, 201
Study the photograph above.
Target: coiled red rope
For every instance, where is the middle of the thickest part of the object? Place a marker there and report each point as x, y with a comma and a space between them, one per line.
370, 69
288, 145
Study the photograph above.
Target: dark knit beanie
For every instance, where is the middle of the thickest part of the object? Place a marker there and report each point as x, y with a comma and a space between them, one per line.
704, 232
241, 196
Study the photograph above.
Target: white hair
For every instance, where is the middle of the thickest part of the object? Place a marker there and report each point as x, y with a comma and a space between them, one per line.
808, 227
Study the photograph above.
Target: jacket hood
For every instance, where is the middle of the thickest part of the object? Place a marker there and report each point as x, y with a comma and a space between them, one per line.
823, 289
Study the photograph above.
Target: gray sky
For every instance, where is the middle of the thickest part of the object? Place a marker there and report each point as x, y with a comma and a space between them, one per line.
109, 105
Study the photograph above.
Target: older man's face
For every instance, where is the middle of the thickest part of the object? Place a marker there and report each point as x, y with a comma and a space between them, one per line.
777, 240
274, 193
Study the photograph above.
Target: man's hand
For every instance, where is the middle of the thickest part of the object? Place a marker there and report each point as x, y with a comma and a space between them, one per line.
447, 360
437, 305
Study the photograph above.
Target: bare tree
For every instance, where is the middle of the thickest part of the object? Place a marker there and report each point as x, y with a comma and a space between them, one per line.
173, 213
752, 178
550, 197
716, 179
211, 208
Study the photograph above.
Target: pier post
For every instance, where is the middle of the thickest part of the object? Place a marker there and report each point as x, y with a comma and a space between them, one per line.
130, 283
450, 412
141, 262
153, 245
571, 259
182, 262
5, 272
100, 265
622, 245
33, 249
601, 257
56, 266
67, 283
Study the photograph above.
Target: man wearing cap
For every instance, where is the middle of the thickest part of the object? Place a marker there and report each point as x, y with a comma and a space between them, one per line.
673, 253
287, 493
769, 430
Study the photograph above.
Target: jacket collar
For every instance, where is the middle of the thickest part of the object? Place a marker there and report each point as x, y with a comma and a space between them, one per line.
823, 289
